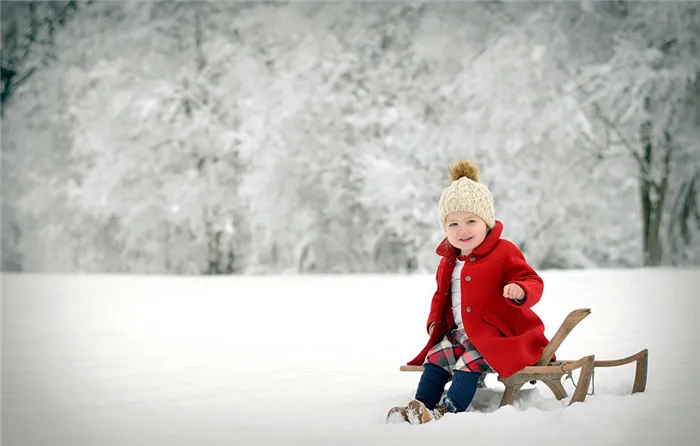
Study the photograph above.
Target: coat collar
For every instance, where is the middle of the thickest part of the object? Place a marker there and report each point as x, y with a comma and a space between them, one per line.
487, 245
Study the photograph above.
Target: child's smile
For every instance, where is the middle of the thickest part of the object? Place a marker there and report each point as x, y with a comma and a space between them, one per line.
465, 231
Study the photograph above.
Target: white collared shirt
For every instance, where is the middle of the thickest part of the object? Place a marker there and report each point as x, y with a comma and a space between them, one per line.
456, 287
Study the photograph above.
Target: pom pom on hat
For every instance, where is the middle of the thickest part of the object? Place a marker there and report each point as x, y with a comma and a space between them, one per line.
466, 194
464, 169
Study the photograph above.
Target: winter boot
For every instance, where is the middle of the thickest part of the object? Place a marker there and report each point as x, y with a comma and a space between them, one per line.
397, 415
415, 413
439, 411
418, 413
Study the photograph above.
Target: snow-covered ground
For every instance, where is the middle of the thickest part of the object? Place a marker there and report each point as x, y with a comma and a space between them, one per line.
108, 360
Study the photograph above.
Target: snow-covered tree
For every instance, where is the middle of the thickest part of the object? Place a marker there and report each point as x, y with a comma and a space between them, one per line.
28, 30
122, 168
316, 137
644, 97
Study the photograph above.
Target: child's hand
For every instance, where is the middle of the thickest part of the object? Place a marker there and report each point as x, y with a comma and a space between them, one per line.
513, 291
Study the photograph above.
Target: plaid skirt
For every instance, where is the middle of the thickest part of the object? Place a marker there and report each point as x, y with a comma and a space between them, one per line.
456, 352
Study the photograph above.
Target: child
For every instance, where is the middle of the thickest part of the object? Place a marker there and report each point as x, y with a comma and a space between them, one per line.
480, 315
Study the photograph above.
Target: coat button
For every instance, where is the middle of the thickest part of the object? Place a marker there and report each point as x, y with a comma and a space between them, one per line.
469, 309
468, 278
471, 259
446, 293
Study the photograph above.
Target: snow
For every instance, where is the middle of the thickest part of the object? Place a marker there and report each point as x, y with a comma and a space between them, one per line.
304, 360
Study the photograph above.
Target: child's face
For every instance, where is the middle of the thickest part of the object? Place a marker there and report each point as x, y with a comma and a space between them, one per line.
465, 231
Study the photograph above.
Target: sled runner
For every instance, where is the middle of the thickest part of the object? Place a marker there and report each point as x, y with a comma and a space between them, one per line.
551, 372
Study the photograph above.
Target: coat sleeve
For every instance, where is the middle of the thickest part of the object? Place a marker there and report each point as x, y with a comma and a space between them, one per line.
435, 307
519, 272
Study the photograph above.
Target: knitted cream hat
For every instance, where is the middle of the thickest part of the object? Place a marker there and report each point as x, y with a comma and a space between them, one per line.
465, 193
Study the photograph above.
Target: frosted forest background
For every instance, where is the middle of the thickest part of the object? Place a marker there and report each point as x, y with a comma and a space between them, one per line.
315, 137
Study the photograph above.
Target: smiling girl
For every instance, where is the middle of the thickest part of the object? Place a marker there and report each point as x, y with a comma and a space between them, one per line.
480, 316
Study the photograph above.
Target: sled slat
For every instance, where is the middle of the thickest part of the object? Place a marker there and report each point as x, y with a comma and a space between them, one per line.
571, 321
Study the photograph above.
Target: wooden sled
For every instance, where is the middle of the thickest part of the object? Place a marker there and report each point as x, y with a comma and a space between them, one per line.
551, 372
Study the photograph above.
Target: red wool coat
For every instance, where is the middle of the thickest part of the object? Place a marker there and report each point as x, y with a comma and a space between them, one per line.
509, 336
